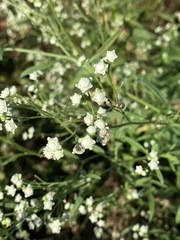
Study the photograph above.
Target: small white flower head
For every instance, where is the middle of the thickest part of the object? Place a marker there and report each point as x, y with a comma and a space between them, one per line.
143, 231
82, 209
88, 119
99, 97
34, 202
110, 56
13, 90
93, 217
153, 165
55, 226
34, 221
28, 191
103, 136
78, 149
76, 99
16, 179
89, 201
48, 205
132, 194
18, 198
3, 107
53, 149
100, 124
1, 195
6, 222
140, 171
11, 190
101, 223
87, 142
84, 84
101, 68
101, 112
34, 76
10, 126
153, 155
91, 130
5, 93
136, 227
98, 231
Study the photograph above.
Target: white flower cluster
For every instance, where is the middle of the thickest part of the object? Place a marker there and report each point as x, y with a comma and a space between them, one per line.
9, 124
95, 215
53, 149
27, 209
153, 158
140, 231
97, 128
102, 66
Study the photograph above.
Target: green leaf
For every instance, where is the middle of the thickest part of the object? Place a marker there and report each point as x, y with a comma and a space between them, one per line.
76, 206
106, 45
141, 181
173, 160
142, 34
98, 149
93, 176
135, 144
160, 176
151, 204
1, 53
178, 177
177, 218
154, 90
39, 67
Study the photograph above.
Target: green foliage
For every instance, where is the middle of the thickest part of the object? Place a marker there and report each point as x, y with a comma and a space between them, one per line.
121, 182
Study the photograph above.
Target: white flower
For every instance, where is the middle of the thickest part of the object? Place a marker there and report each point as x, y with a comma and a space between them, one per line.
153, 155
139, 170
87, 142
98, 231
18, 198
13, 90
33, 221
100, 124
48, 205
5, 93
82, 209
103, 136
101, 223
84, 84
55, 226
135, 228
153, 165
89, 201
1, 195
101, 112
93, 217
10, 126
78, 149
16, 179
91, 130
53, 149
34, 76
88, 119
99, 97
6, 222
110, 56
143, 230
28, 191
101, 68
3, 107
132, 194
11, 190
76, 99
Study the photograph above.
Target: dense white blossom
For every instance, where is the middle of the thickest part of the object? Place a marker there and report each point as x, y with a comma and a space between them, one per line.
28, 191
140, 171
88, 119
53, 149
101, 68
110, 56
84, 84
11, 190
78, 149
16, 179
87, 142
10, 126
99, 97
76, 99
55, 226
3, 107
